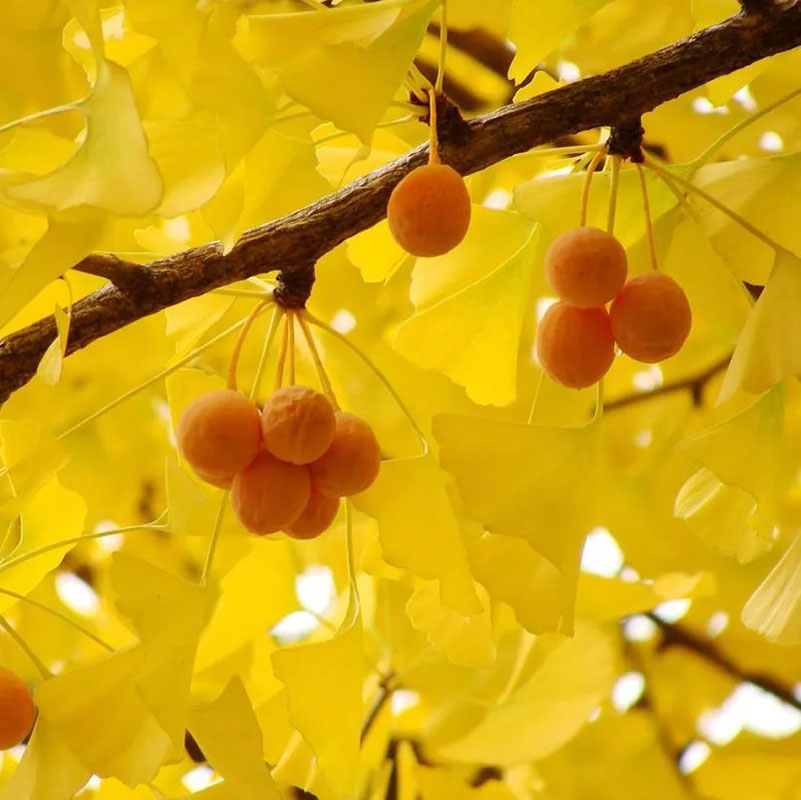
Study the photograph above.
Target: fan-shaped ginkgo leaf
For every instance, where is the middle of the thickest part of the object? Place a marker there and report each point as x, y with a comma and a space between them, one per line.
49, 770
528, 481
112, 170
769, 348
230, 737
549, 708
723, 516
514, 573
363, 52
538, 28
48, 516
308, 671
774, 609
473, 335
422, 537
745, 452
465, 640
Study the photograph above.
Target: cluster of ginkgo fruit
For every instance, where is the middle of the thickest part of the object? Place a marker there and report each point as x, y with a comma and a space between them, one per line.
649, 316
287, 466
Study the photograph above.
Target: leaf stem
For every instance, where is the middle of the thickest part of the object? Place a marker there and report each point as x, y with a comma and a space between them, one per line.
48, 112
26, 648
649, 225
716, 146
713, 201
214, 539
13, 562
443, 46
58, 615
150, 381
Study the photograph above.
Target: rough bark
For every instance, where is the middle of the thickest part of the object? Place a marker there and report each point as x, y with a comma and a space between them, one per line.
294, 242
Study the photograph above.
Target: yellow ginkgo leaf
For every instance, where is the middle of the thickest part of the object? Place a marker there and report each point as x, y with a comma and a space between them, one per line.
52, 363
62, 246
363, 51
536, 29
529, 481
465, 640
49, 770
769, 347
750, 187
607, 599
549, 708
141, 693
553, 201
190, 161
48, 515
130, 745
473, 336
169, 615
231, 739
514, 573
422, 536
307, 671
257, 593
745, 452
774, 609
112, 170
723, 516
494, 238
30, 455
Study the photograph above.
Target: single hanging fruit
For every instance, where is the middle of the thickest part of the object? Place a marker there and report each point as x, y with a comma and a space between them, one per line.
297, 424
17, 711
575, 346
269, 494
651, 317
316, 518
351, 463
586, 267
219, 434
429, 211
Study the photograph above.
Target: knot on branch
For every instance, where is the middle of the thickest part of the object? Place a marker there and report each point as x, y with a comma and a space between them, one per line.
294, 286
625, 140
133, 280
451, 126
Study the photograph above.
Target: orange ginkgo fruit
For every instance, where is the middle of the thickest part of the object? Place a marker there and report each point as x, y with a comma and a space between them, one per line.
316, 518
651, 317
575, 346
219, 434
270, 494
297, 424
351, 463
17, 711
429, 211
586, 267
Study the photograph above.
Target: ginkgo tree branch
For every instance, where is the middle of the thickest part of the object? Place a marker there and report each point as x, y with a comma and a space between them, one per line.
292, 244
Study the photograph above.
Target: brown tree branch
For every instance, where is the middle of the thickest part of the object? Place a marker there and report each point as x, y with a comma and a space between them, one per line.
679, 636
695, 384
290, 244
